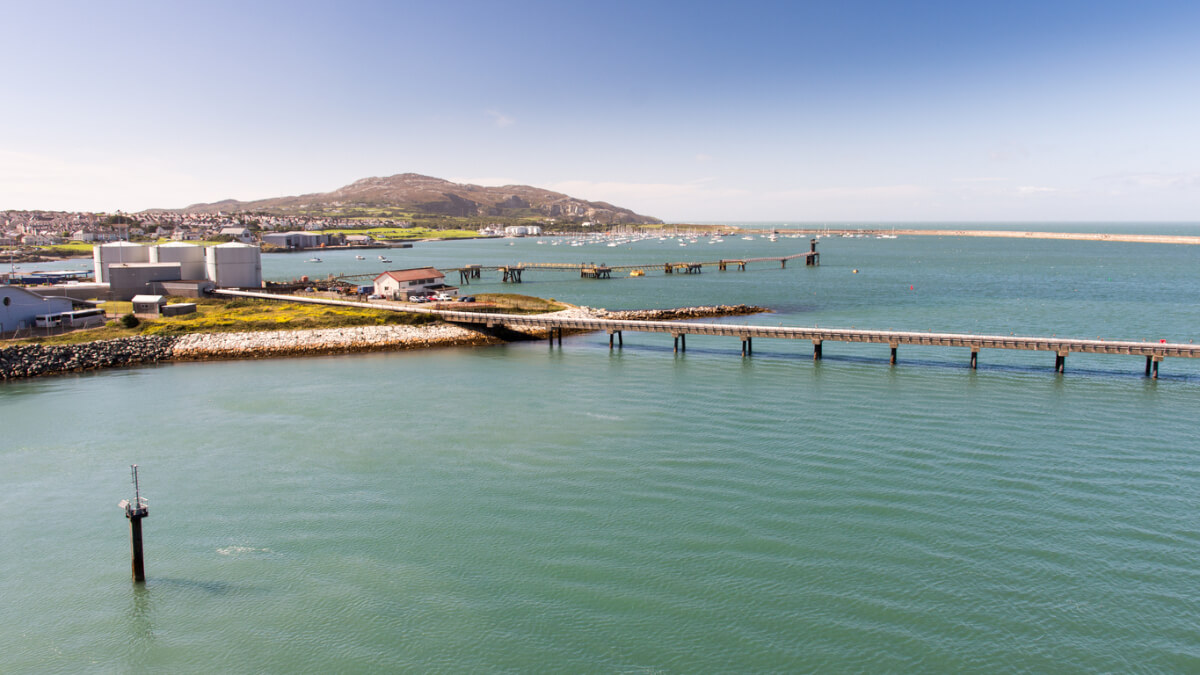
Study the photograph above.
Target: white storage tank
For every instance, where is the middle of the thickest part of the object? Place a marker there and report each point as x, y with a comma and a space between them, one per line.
189, 256
234, 265
117, 252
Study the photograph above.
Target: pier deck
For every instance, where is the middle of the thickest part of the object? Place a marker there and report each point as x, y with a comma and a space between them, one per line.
513, 273
1154, 352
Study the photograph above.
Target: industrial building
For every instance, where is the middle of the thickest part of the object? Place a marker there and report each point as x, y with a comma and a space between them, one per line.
300, 239
189, 256
20, 307
107, 255
234, 265
126, 280
175, 268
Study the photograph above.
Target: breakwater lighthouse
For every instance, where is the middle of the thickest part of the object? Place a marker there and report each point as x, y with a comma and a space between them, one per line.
135, 511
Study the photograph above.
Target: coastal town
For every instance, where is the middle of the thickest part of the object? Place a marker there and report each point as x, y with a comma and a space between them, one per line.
23, 233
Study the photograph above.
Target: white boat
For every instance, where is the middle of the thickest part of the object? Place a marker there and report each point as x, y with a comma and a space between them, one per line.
313, 260
383, 259
359, 257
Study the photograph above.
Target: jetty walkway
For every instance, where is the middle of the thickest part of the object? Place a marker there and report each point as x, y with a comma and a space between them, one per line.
590, 270
1154, 352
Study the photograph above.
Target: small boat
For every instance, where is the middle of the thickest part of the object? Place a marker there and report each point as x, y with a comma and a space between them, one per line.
313, 260
383, 259
637, 273
359, 257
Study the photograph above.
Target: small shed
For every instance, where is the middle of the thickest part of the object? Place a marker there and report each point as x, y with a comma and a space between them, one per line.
179, 309
148, 305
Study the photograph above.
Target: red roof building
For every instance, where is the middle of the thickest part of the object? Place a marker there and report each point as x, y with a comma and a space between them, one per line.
402, 284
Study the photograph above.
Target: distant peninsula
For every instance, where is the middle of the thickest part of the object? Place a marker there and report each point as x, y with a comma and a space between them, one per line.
411, 193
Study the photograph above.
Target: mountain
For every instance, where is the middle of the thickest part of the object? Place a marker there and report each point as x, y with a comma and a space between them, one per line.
419, 194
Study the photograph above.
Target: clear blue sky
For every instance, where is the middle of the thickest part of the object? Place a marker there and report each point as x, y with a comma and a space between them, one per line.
794, 111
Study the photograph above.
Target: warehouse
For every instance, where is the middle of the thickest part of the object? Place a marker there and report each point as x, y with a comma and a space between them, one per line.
19, 307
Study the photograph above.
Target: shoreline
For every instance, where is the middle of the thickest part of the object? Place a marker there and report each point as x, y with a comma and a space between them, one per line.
1076, 236
26, 361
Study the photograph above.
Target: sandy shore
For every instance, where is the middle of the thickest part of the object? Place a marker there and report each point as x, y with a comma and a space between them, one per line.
1078, 236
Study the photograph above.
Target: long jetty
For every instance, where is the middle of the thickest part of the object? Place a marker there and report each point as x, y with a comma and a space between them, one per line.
1154, 352
590, 270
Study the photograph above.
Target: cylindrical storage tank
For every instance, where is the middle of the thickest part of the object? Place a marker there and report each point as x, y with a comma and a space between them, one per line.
117, 252
234, 265
189, 256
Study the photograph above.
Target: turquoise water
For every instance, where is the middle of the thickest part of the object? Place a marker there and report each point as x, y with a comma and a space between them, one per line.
522, 508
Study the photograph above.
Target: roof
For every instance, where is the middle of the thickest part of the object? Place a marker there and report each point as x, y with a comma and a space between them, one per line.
156, 299
413, 274
26, 291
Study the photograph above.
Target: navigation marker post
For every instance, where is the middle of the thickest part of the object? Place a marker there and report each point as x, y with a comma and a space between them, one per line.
135, 512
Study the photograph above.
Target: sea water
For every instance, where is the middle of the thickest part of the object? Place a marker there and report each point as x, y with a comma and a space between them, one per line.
527, 508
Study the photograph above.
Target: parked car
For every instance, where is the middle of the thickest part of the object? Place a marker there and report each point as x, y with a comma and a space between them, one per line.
417, 298
375, 296
467, 298
443, 297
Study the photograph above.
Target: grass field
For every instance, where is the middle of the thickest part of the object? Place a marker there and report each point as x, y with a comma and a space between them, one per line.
247, 315
236, 316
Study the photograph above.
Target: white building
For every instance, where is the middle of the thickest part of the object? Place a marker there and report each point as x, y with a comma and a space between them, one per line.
403, 284
241, 234
523, 230
234, 265
107, 255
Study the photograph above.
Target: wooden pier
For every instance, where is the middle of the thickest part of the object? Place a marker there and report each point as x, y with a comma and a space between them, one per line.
512, 274
1153, 352
591, 270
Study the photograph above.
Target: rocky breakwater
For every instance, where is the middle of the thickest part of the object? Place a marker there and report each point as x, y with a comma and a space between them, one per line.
679, 313
202, 346
20, 361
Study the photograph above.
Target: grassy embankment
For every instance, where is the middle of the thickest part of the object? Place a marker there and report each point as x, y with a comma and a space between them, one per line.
248, 315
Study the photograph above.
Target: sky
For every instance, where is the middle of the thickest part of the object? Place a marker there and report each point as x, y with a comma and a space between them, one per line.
804, 111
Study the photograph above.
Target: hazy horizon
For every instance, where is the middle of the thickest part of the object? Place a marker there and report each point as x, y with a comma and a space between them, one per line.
770, 111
